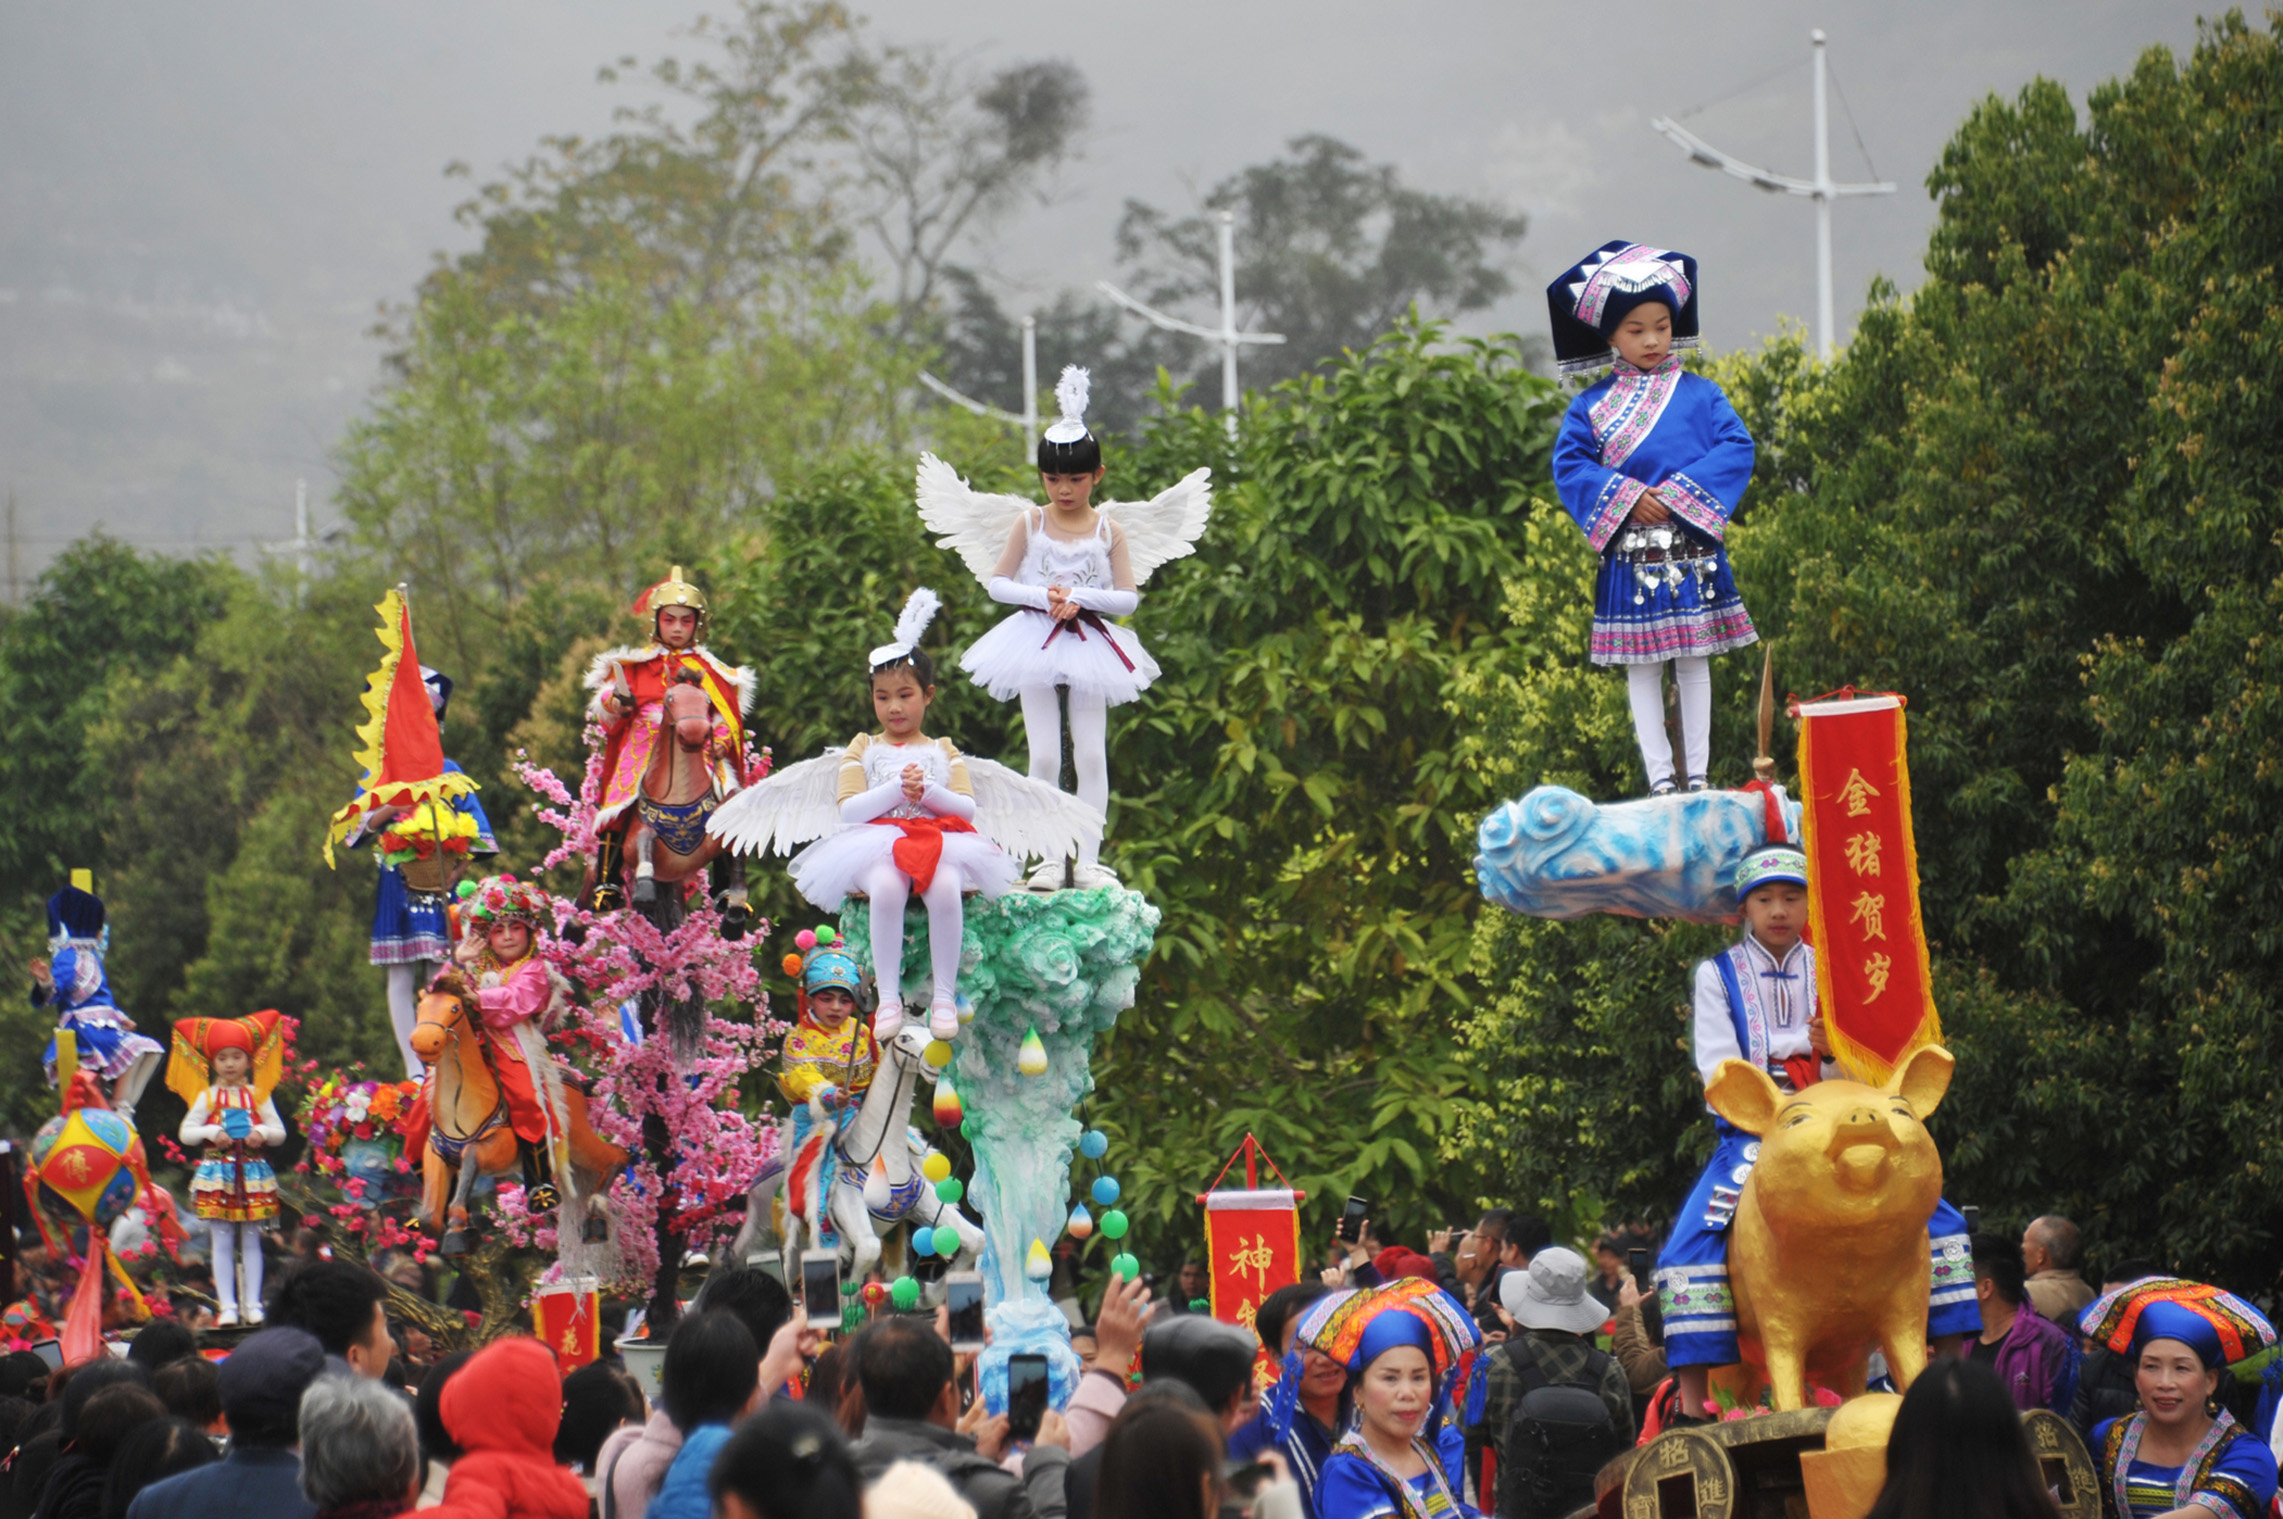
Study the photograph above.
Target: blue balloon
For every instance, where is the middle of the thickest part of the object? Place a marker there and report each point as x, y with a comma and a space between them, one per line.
1105, 1190
923, 1241
1093, 1144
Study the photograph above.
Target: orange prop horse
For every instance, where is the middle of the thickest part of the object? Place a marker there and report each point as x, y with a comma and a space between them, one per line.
467, 1133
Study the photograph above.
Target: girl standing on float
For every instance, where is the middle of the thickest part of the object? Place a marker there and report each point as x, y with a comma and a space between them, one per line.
226, 1068
1652, 462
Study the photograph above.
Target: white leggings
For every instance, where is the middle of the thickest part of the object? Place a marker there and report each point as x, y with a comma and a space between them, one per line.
1645, 692
889, 888
227, 1238
1089, 746
404, 984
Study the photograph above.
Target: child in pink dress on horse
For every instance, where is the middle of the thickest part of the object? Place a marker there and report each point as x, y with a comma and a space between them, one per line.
520, 997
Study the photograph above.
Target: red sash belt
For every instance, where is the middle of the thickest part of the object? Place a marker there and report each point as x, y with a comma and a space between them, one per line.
1804, 1070
1093, 620
920, 850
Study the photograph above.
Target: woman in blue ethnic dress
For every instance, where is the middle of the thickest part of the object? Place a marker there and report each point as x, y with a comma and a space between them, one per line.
1652, 461
2182, 1456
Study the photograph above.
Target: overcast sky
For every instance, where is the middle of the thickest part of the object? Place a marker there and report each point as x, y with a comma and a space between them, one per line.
202, 206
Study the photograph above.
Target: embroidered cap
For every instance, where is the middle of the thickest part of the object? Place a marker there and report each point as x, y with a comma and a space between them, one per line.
1591, 297
2219, 1326
1777, 863
504, 899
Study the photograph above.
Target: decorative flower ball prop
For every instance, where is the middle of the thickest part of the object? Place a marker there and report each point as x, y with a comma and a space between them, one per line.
85, 1161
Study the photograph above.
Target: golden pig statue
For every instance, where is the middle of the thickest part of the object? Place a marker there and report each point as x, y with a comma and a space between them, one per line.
1827, 1254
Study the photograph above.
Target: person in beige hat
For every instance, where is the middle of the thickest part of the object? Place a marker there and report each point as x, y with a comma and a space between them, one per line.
908, 1490
1554, 1318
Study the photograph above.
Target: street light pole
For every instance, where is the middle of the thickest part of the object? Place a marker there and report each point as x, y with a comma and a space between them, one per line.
1028, 420
1821, 189
1226, 335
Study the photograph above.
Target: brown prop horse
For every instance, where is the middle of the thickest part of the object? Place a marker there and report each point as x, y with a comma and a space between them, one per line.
684, 783
468, 1132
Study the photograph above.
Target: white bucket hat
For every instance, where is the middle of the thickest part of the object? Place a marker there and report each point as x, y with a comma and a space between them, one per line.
1550, 1293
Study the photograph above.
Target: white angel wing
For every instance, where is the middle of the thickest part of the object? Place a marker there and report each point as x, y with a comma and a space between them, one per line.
1028, 818
1167, 525
794, 805
972, 524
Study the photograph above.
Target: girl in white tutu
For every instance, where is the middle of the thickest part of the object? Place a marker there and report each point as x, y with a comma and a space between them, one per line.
898, 813
1067, 568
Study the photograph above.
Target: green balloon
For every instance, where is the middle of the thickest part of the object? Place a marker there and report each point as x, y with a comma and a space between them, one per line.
1114, 1224
949, 1190
1126, 1266
904, 1292
850, 1289
967, 1129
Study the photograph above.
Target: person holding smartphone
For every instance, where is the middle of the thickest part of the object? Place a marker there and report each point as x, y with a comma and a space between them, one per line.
911, 1401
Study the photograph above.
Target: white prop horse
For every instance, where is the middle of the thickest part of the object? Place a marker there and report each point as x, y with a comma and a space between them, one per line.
854, 1174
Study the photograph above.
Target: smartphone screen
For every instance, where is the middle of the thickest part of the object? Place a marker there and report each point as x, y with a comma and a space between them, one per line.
50, 1351
963, 1296
1026, 1395
820, 1287
1637, 1262
1351, 1219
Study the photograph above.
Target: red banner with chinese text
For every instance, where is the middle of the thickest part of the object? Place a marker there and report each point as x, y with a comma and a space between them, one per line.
1252, 1239
568, 1322
1872, 978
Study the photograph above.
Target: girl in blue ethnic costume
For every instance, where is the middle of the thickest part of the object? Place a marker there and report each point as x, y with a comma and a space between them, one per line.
1652, 461
412, 931
1755, 1001
2182, 1452
74, 983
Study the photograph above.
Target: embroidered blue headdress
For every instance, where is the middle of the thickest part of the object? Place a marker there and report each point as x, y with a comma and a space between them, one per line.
1358, 1325
1777, 863
1591, 297
75, 917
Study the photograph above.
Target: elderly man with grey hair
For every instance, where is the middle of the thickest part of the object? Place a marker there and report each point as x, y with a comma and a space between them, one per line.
360, 1458
2050, 1249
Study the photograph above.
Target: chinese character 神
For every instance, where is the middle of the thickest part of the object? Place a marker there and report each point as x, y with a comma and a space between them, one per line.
1875, 971
1857, 794
1256, 1258
1863, 853
1869, 911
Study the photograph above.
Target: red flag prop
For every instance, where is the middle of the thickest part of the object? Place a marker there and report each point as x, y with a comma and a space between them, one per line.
402, 748
567, 1318
1872, 976
1252, 1243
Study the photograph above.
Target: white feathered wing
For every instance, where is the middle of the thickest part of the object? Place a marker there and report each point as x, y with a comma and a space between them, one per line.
1167, 525
794, 805
1029, 819
971, 523
1026, 818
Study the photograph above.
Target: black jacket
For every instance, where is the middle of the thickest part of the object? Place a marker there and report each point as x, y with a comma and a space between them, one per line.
995, 1492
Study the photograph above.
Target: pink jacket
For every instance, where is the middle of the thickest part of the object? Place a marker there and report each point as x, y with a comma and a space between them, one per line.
634, 1461
528, 991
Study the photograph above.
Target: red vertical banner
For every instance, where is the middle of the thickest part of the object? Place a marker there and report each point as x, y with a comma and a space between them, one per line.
1253, 1241
568, 1320
1872, 978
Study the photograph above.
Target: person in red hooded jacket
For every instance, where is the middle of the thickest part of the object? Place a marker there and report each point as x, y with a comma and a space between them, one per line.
503, 1409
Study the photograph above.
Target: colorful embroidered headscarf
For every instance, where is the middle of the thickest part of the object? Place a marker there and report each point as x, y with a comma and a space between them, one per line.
1591, 297
2219, 1326
1359, 1325
1777, 863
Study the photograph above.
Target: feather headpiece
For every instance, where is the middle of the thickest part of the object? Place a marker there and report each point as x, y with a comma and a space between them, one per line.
911, 626
1071, 393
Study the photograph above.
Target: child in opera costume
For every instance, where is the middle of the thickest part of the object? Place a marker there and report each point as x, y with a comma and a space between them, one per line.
520, 997
226, 1069
829, 1056
1652, 461
1756, 1001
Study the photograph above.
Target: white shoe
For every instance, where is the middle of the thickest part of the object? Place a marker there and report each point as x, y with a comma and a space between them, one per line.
943, 1021
226, 1319
1048, 877
1090, 876
888, 1021
254, 1313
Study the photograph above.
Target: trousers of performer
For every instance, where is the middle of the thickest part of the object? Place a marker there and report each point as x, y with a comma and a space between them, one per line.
1645, 694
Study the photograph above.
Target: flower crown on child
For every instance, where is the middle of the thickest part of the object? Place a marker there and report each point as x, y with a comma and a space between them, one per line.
1591, 297
824, 962
197, 1041
504, 899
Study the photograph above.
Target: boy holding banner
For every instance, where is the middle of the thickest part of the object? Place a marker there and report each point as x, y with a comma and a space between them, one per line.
1757, 1001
